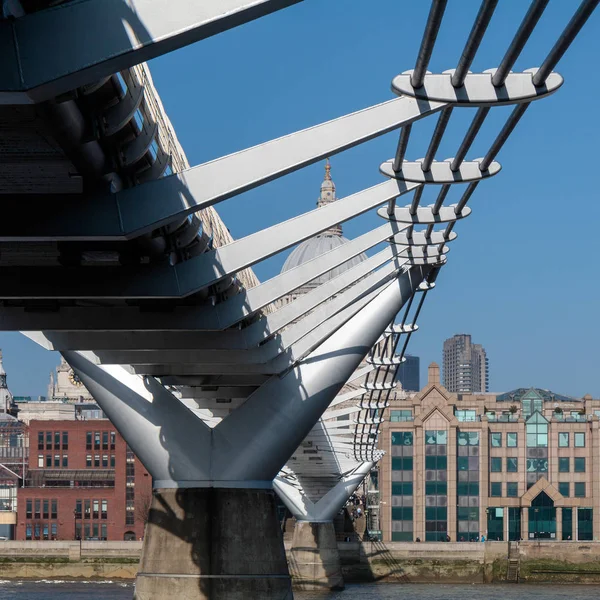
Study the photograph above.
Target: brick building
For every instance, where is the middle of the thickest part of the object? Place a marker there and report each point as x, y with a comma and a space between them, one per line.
83, 482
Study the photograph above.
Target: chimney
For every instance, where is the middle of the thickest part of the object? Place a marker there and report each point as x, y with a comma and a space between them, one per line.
433, 374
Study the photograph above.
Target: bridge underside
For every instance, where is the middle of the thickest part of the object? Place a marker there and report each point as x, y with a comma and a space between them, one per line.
111, 252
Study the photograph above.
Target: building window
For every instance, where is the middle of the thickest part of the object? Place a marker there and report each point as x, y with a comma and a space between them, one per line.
396, 416
40, 440
564, 465
96, 460
563, 440
585, 521
96, 440
511, 440
496, 464
579, 440
54, 509
65, 461
512, 465
57, 460
113, 437
103, 531
496, 489
436, 486
579, 489
53, 531
57, 440
40, 461
512, 489
48, 440
28, 531
45, 512
78, 505
87, 507
49, 460
96, 513
65, 440
112, 460
88, 460
105, 461
88, 440
105, 440
104, 509
28, 509
567, 522
579, 464
38, 509
466, 415
564, 488
496, 440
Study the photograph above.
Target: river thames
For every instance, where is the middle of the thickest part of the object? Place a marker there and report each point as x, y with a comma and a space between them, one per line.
48, 590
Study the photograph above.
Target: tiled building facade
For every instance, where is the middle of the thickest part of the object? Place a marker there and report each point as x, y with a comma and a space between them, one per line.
522, 465
83, 482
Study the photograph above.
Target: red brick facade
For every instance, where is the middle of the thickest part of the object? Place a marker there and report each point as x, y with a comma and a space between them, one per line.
82, 482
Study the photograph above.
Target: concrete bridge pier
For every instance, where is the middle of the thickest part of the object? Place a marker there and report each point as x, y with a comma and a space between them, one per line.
315, 562
212, 531
213, 543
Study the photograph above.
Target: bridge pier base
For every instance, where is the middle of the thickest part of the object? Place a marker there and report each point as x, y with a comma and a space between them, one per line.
314, 558
213, 544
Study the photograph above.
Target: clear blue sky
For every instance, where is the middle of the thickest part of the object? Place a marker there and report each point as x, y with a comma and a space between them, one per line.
523, 275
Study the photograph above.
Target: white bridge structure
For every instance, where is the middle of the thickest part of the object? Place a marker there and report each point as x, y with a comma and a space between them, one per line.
112, 253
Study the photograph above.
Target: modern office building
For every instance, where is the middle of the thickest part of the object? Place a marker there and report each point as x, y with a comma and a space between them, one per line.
519, 465
466, 368
409, 374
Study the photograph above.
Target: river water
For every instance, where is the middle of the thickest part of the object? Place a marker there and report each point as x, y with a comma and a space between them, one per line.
48, 590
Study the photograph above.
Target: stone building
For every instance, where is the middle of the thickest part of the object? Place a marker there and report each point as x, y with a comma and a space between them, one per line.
519, 465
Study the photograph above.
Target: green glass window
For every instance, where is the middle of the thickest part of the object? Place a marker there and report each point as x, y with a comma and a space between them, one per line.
496, 440
466, 415
579, 440
579, 464
563, 440
402, 463
436, 462
511, 440
585, 528
404, 488
567, 523
579, 489
402, 438
564, 465
495, 524
496, 489
436, 437
564, 488
496, 464
399, 416
512, 465
512, 489
402, 513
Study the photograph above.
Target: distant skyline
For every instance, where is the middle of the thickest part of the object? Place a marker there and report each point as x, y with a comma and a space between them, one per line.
522, 277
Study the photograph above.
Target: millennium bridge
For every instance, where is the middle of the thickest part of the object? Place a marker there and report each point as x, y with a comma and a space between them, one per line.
227, 387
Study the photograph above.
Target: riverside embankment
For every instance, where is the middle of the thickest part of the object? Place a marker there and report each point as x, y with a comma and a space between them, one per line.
559, 562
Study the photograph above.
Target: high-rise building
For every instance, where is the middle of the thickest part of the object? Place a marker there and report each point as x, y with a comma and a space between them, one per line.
409, 374
466, 369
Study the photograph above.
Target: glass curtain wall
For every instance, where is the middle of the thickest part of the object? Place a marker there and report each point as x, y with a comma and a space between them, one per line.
436, 486
537, 448
467, 487
402, 486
